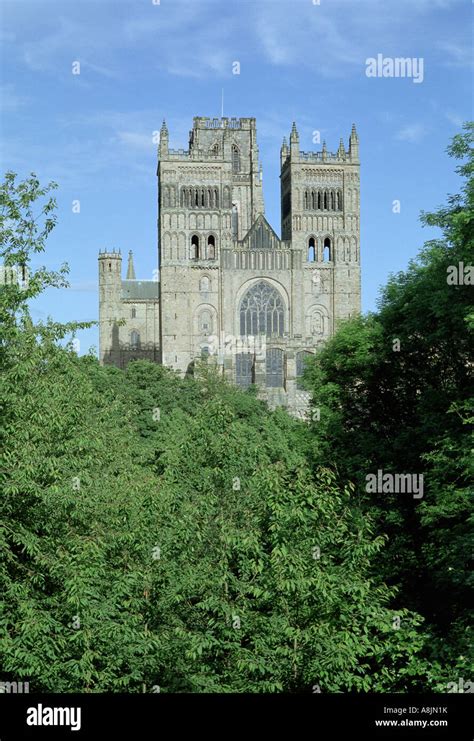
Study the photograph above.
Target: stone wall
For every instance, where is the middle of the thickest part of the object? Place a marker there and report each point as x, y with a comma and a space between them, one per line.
214, 244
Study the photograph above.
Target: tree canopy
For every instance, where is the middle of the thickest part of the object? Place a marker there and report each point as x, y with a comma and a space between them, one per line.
175, 535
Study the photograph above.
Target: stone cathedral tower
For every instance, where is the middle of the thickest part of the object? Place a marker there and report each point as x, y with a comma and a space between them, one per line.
320, 217
230, 289
209, 198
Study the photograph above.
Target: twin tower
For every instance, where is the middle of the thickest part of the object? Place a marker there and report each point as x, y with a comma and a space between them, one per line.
230, 291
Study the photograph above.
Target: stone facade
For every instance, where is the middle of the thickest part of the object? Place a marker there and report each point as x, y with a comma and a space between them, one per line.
229, 288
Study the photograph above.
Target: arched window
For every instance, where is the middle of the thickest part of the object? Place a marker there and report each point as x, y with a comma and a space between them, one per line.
262, 311
135, 339
327, 250
311, 250
313, 200
244, 369
194, 247
211, 247
134, 312
274, 367
339, 200
325, 200
196, 197
235, 159
301, 359
210, 198
319, 200
333, 205
203, 203
205, 322
204, 283
306, 194
216, 198
235, 221
215, 150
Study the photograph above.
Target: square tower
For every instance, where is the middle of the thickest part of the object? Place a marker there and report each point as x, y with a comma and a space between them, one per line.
320, 215
229, 286
209, 196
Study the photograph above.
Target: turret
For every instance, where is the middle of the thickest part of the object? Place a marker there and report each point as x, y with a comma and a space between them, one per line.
341, 152
110, 267
324, 152
354, 145
164, 140
294, 142
283, 152
110, 286
130, 267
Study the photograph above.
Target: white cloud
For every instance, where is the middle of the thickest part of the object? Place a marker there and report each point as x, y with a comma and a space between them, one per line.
456, 55
10, 100
197, 63
311, 39
411, 133
135, 140
202, 38
183, 38
100, 69
334, 41
163, 21
273, 45
41, 53
454, 119
86, 286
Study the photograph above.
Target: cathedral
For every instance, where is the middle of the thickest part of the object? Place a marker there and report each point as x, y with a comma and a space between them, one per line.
229, 290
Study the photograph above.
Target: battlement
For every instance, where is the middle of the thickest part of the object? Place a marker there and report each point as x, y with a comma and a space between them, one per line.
321, 157
108, 254
202, 127
342, 156
178, 154
197, 153
293, 154
203, 122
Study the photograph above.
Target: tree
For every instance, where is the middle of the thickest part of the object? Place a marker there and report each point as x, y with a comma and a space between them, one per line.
72, 573
170, 533
263, 579
395, 393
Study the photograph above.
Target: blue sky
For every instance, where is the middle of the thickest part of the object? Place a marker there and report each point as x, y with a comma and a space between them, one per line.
141, 62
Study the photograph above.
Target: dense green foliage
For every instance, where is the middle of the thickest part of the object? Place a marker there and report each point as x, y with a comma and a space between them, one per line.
170, 533
407, 406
